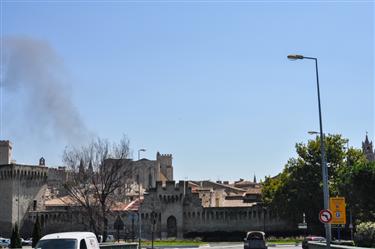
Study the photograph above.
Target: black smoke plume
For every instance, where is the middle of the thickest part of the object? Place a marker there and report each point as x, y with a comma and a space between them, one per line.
33, 74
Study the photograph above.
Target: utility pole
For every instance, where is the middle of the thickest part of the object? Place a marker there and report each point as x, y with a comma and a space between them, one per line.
139, 214
351, 225
18, 201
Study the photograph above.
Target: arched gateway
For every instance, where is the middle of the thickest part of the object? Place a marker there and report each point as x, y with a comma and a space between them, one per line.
171, 226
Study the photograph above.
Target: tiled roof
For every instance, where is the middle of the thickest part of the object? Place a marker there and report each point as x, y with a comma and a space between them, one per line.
68, 201
216, 185
253, 191
62, 201
121, 206
236, 203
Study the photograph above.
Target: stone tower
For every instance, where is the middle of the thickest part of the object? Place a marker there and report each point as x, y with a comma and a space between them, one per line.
165, 168
368, 149
5, 152
21, 189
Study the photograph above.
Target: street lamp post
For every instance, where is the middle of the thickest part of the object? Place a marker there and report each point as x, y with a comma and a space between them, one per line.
264, 219
350, 208
139, 153
139, 213
322, 148
153, 217
139, 199
133, 233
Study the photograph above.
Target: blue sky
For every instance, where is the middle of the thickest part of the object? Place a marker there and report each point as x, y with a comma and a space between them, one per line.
207, 81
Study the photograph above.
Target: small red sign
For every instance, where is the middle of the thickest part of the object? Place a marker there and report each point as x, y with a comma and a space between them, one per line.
325, 216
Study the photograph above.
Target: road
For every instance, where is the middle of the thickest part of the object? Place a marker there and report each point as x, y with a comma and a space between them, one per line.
228, 245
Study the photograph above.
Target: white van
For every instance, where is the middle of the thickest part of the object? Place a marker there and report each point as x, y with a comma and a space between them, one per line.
71, 240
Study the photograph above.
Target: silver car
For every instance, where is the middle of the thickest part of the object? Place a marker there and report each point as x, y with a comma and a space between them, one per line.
4, 242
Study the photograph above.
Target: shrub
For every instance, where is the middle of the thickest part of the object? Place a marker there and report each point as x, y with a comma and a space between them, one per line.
15, 241
365, 234
37, 232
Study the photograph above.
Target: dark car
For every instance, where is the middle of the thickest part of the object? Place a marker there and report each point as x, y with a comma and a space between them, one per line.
255, 240
312, 238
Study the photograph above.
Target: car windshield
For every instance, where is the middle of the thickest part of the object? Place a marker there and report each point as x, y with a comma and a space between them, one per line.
57, 244
255, 236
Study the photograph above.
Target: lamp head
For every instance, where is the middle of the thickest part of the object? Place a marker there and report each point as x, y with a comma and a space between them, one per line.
294, 57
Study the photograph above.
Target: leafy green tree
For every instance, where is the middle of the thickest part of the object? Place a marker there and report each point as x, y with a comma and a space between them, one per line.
298, 188
37, 232
356, 183
15, 241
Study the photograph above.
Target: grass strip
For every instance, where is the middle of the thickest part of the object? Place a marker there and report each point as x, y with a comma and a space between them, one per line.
173, 243
282, 242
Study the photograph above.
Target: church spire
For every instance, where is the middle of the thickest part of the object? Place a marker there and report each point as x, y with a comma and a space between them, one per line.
367, 149
81, 168
90, 168
255, 178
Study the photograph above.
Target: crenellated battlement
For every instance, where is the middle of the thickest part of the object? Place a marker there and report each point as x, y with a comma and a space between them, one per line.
57, 170
27, 172
165, 159
170, 187
59, 175
166, 155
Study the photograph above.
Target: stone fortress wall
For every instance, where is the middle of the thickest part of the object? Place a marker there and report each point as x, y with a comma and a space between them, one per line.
22, 188
53, 221
178, 211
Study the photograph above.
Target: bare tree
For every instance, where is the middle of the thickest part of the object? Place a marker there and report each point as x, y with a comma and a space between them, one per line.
101, 175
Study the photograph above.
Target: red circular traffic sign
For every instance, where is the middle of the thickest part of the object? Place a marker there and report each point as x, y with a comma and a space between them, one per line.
325, 216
